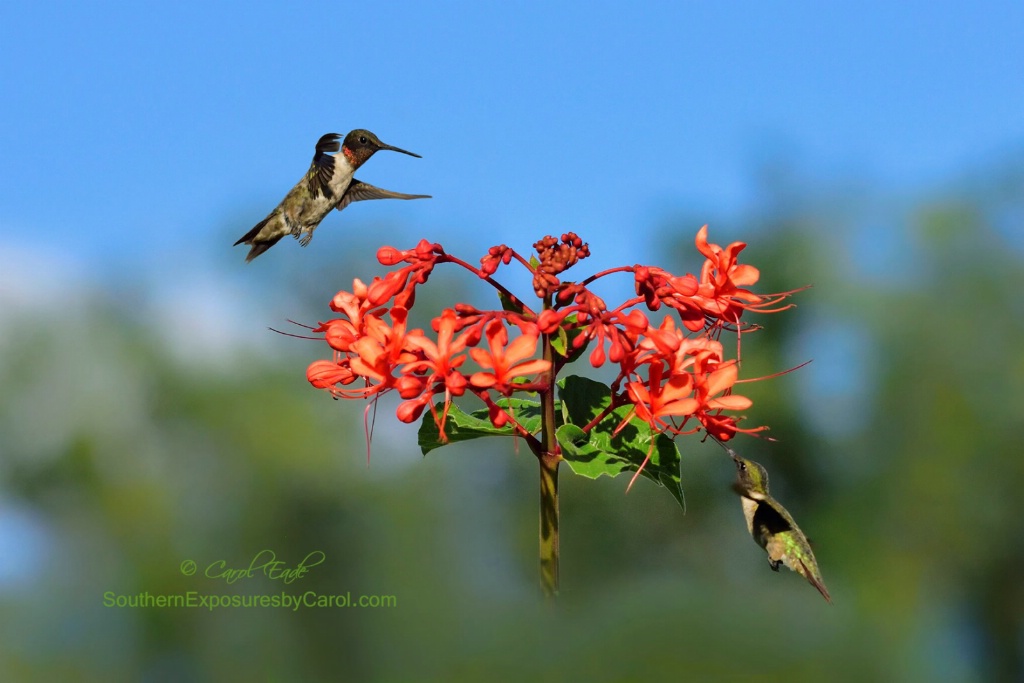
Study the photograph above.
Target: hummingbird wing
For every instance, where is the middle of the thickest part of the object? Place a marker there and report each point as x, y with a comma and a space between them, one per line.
358, 191
771, 519
322, 169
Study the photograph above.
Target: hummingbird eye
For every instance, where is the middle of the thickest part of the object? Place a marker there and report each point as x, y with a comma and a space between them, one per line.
362, 139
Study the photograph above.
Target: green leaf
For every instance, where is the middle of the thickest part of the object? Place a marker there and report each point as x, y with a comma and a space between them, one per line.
463, 426
599, 452
510, 304
573, 334
562, 343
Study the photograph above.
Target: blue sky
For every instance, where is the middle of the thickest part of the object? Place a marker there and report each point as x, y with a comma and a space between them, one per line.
129, 133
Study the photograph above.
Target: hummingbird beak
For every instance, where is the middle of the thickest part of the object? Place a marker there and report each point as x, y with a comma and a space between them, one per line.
398, 149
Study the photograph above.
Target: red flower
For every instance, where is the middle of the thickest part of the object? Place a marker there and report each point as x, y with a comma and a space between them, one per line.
698, 380
381, 349
653, 400
668, 343
503, 359
722, 292
440, 364
714, 389
324, 374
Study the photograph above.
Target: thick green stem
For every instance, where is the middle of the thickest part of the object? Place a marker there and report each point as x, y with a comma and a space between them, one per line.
549, 460
549, 525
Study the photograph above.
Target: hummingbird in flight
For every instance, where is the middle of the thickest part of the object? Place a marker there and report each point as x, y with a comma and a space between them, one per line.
329, 184
771, 525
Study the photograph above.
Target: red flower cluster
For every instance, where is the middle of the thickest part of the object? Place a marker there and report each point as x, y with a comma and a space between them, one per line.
667, 374
388, 355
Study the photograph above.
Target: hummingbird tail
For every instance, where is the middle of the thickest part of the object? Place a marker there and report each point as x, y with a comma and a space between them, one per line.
248, 237
258, 247
815, 581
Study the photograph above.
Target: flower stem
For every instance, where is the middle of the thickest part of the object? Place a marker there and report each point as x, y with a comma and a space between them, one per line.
549, 457
549, 525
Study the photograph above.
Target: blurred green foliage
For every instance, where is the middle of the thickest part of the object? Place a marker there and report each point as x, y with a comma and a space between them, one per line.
898, 451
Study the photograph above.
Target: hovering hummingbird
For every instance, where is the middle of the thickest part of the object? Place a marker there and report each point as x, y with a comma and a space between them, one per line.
329, 184
772, 526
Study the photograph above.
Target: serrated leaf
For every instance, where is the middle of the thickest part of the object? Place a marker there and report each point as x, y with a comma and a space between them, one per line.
463, 426
599, 452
